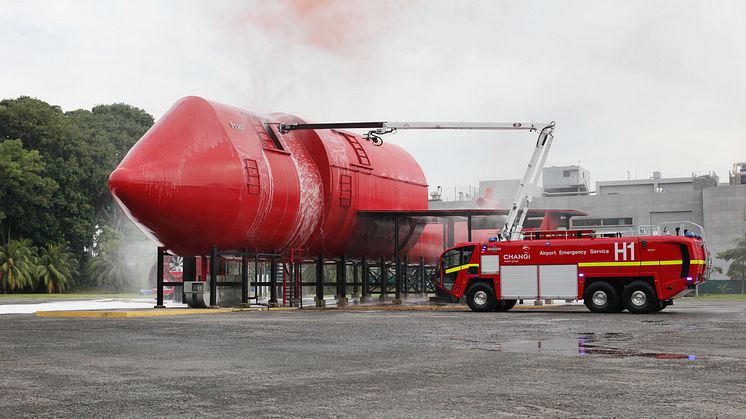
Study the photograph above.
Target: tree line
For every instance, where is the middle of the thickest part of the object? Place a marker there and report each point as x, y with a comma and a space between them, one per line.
58, 222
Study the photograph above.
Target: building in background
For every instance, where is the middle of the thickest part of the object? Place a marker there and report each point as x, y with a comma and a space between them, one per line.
627, 204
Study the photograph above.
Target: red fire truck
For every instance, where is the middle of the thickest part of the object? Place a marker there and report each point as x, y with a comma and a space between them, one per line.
641, 274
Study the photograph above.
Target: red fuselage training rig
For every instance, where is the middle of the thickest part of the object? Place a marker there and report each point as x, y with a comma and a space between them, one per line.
609, 271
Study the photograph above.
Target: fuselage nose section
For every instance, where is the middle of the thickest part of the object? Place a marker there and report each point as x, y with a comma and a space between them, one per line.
182, 181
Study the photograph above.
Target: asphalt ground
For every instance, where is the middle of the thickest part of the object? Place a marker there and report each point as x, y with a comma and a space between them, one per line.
688, 361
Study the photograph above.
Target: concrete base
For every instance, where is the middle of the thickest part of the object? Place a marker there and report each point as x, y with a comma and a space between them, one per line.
396, 301
214, 307
365, 298
159, 306
272, 304
342, 302
548, 302
539, 303
244, 305
320, 303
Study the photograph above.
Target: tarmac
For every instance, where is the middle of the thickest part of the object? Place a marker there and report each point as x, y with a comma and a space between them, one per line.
687, 361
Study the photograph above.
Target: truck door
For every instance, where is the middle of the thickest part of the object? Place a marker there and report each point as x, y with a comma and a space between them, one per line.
453, 263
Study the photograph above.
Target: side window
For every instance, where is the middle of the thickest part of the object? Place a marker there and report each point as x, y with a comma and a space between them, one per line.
466, 254
451, 258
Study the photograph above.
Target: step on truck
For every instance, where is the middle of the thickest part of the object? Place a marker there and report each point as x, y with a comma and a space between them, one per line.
642, 274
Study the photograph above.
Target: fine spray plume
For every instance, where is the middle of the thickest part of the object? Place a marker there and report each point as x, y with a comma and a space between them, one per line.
296, 51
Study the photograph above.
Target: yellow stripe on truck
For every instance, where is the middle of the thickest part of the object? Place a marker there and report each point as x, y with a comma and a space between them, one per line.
697, 262
462, 267
594, 264
642, 263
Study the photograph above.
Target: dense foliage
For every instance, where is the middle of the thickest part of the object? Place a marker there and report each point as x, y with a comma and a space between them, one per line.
54, 200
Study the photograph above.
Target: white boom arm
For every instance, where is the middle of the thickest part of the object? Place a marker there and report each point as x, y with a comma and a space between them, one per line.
522, 199
513, 223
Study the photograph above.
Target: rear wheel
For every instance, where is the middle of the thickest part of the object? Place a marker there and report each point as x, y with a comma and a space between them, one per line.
640, 298
481, 297
505, 305
601, 297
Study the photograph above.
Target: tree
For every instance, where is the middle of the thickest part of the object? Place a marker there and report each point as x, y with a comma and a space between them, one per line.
16, 265
76, 150
25, 193
109, 268
55, 267
737, 258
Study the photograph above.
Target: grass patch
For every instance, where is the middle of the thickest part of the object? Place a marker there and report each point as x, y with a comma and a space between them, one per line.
721, 297
72, 295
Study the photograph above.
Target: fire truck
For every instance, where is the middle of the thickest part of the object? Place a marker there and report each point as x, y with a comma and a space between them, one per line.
641, 274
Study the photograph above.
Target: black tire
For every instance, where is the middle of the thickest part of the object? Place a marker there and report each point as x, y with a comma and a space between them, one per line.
481, 297
601, 297
640, 298
505, 305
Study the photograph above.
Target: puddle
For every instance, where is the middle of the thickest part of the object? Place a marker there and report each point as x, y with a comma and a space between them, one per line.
594, 344
585, 344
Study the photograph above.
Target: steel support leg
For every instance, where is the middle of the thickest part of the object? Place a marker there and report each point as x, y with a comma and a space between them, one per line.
245, 279
159, 279
320, 282
384, 279
422, 275
397, 261
273, 283
342, 282
364, 278
213, 276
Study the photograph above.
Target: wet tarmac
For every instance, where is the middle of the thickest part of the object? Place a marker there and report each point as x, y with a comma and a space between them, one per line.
688, 361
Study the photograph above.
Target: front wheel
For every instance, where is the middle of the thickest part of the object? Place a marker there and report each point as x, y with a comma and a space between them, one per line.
481, 297
640, 298
601, 297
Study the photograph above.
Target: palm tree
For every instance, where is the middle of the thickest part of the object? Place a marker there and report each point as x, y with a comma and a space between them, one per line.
55, 267
109, 267
17, 265
737, 258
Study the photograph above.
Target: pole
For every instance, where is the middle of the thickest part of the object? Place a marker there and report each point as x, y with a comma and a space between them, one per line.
245, 279
364, 278
320, 282
342, 282
213, 276
397, 261
384, 279
273, 282
159, 279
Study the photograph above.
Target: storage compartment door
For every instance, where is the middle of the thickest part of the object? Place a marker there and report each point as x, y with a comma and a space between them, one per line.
558, 281
518, 282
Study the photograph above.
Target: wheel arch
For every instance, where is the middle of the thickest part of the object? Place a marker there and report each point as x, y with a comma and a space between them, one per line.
487, 281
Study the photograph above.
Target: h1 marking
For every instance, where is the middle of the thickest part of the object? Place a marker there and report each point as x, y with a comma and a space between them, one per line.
621, 249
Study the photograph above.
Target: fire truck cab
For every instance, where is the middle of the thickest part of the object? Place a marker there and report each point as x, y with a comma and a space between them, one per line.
640, 274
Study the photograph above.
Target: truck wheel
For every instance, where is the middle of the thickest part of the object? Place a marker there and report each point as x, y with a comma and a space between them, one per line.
640, 298
481, 297
505, 305
601, 297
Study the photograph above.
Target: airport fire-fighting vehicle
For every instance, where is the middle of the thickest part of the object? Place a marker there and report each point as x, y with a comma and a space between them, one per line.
608, 271
641, 274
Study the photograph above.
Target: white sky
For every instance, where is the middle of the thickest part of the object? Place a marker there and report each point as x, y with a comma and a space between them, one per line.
634, 86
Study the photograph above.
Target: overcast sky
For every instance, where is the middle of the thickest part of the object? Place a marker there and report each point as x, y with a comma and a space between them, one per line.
634, 86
